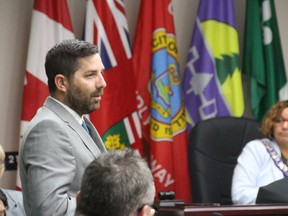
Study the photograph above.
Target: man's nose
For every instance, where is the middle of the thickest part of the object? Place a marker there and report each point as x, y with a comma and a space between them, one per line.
101, 82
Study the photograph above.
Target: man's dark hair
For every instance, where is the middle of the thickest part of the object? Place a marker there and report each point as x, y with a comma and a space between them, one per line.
117, 183
63, 59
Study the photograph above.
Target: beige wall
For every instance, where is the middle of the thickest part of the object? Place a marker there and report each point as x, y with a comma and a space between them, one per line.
15, 19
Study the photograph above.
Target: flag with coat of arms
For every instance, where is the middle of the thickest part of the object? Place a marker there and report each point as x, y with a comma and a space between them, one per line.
162, 113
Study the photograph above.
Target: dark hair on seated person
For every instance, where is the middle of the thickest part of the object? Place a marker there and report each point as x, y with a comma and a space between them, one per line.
3, 197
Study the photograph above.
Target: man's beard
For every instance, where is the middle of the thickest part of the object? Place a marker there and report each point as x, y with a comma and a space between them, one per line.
80, 101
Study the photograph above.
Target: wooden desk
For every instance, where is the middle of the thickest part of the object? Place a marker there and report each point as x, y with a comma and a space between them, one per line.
223, 210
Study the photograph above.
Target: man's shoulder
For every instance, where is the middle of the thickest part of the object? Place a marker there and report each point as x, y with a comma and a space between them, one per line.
45, 119
50, 111
43, 116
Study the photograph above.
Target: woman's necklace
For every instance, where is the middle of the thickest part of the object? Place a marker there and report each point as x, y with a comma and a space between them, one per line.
284, 159
275, 156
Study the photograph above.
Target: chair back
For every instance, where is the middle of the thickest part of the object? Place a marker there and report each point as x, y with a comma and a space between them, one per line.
214, 146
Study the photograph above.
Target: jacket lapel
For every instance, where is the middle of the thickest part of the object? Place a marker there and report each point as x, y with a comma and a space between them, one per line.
90, 143
95, 135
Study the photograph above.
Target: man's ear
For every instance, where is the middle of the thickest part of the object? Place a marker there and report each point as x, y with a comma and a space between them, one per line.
61, 82
78, 197
146, 211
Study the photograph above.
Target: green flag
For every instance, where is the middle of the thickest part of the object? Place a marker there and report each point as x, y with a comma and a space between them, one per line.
263, 60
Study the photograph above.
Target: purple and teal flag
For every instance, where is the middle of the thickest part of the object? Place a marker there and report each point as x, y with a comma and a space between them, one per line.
212, 82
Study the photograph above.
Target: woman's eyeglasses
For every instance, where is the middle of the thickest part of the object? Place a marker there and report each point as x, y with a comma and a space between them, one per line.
280, 121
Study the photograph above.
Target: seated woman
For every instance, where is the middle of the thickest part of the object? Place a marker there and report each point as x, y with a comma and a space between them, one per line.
263, 161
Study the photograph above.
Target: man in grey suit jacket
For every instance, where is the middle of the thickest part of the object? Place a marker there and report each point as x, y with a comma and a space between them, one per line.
56, 149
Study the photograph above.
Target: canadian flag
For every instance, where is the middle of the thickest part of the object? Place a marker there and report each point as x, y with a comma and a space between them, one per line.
51, 24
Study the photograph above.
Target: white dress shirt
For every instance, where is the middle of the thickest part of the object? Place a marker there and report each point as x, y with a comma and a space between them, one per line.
255, 168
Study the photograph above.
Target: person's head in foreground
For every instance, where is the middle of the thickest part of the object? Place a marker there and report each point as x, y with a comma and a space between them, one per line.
117, 183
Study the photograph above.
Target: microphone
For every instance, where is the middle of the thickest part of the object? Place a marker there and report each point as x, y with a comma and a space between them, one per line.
166, 195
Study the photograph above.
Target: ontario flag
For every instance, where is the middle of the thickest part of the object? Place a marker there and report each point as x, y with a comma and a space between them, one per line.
162, 111
117, 120
50, 25
212, 80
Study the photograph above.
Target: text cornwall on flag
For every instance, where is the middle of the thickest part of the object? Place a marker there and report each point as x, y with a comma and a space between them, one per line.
50, 25
212, 82
117, 120
161, 107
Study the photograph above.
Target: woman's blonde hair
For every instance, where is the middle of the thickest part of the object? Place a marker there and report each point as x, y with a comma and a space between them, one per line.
2, 161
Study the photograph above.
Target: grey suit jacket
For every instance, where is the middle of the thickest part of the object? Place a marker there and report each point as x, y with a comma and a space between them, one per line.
53, 156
